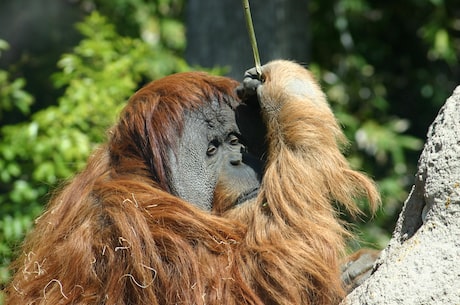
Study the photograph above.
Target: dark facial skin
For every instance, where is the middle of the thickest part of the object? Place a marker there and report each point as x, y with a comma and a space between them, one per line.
210, 152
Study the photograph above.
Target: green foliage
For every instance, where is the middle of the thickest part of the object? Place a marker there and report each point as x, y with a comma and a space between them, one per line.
386, 68
12, 95
12, 229
97, 77
157, 22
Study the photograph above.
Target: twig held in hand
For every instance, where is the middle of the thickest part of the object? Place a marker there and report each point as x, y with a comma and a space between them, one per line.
252, 37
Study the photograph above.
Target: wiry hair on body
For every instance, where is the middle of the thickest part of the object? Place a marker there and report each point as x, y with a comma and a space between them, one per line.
305, 173
116, 235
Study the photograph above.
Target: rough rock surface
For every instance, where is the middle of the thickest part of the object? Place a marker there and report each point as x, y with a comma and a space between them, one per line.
421, 264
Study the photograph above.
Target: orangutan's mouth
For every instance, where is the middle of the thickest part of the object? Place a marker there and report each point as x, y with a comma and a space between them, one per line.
251, 194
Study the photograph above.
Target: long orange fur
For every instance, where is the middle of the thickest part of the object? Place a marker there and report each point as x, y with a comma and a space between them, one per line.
115, 235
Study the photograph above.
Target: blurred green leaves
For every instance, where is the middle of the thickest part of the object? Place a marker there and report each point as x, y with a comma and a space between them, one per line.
386, 68
12, 95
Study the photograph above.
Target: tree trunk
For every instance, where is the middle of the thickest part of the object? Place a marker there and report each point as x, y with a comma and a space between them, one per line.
421, 263
217, 35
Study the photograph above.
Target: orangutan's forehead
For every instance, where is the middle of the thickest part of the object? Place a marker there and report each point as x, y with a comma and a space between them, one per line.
214, 115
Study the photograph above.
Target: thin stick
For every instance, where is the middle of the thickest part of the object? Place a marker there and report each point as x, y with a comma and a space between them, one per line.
252, 37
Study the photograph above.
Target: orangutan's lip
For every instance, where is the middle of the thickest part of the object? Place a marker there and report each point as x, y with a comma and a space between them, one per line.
251, 194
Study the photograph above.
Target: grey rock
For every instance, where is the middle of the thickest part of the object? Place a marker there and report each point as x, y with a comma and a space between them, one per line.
421, 264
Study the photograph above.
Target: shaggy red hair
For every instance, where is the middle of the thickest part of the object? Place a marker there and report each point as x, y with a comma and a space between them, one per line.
115, 235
